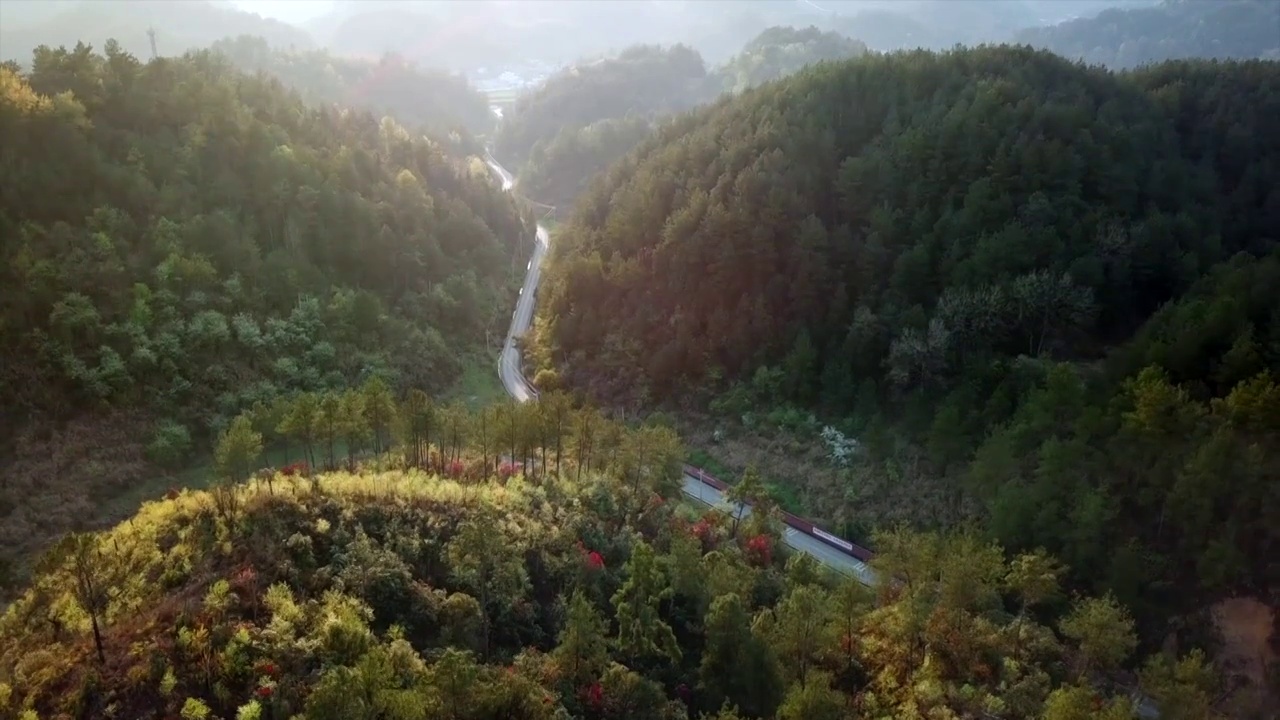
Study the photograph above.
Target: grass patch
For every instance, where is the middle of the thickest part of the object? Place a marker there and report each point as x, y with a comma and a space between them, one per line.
479, 384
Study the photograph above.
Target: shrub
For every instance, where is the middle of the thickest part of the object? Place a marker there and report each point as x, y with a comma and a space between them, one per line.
170, 444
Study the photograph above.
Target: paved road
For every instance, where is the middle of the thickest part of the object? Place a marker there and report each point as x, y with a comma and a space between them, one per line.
519, 388
822, 552
509, 360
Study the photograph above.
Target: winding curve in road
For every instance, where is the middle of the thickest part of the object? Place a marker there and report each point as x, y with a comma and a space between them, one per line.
698, 485
838, 554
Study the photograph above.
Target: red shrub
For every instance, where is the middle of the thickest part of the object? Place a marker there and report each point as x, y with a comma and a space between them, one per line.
266, 691
455, 469
594, 695
506, 470
595, 560
298, 468
760, 550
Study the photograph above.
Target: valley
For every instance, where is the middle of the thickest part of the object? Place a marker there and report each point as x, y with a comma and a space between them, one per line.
769, 360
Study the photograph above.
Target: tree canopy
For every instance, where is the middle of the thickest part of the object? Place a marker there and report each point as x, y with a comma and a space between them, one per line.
1046, 282
487, 593
190, 241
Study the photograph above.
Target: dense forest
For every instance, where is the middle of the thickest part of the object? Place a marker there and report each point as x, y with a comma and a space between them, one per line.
418, 97
190, 241
1129, 37
1041, 294
556, 158
429, 582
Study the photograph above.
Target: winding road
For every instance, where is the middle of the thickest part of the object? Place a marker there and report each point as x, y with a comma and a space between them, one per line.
521, 390
695, 485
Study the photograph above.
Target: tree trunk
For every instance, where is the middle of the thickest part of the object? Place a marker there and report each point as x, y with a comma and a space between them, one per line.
97, 638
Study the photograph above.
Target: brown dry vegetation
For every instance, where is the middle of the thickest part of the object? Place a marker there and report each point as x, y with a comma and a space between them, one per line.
61, 479
1246, 655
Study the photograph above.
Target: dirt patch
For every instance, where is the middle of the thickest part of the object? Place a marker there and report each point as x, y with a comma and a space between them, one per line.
1247, 656
57, 480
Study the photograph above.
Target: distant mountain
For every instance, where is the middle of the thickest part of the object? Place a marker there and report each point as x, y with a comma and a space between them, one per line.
179, 26
1125, 38
415, 97
477, 33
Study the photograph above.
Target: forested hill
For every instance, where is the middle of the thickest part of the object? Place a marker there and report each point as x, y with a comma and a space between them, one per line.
190, 241
1129, 37
415, 97
942, 249
781, 51
457, 588
645, 80
576, 125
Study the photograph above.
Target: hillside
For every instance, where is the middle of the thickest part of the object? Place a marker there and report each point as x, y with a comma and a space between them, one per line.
399, 595
189, 242
644, 80
1126, 38
415, 97
938, 253
179, 26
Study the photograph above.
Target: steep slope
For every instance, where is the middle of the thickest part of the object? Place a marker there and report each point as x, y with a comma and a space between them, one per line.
941, 245
179, 26
401, 595
415, 97
190, 241
1126, 38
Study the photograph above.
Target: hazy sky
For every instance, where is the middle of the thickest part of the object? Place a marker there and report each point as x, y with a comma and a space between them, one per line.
292, 11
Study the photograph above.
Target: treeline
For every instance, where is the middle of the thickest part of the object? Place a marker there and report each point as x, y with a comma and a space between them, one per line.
319, 432
585, 118
1174, 29
416, 97
962, 260
571, 593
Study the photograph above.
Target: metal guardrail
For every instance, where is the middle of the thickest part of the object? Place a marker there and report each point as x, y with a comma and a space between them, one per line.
793, 521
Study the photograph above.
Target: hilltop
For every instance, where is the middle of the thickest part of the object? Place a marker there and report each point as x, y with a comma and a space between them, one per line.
961, 260
586, 592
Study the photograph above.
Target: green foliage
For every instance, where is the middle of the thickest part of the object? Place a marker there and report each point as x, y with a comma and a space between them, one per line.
1025, 329
407, 595
170, 445
214, 243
